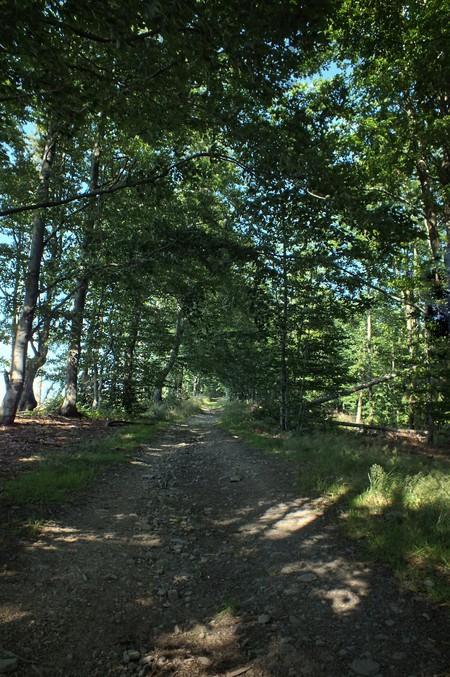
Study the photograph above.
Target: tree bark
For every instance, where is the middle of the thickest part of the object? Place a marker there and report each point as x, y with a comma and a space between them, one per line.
164, 373
28, 400
411, 330
69, 405
368, 374
16, 376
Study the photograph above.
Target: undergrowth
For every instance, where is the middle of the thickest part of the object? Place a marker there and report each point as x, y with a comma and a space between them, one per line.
396, 504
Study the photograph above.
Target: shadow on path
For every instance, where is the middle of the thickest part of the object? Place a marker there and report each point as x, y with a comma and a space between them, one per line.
201, 559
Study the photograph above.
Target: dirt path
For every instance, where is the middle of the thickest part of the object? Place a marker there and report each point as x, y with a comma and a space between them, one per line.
200, 559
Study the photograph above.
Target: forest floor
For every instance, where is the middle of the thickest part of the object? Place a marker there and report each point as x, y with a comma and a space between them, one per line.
199, 558
25, 443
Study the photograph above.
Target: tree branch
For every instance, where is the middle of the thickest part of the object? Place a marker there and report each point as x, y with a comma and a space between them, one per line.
88, 35
388, 294
122, 184
349, 391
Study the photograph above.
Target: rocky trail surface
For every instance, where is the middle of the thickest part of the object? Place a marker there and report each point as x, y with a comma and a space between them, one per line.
200, 559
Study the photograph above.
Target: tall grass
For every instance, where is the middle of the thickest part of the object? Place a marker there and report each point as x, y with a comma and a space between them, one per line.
396, 504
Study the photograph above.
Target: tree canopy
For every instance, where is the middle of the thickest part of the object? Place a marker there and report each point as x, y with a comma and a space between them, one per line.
250, 198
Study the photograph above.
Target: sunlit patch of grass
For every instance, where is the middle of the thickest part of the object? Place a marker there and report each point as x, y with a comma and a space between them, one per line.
213, 404
33, 527
56, 477
396, 505
230, 607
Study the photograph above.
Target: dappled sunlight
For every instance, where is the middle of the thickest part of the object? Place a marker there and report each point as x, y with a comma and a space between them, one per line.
200, 647
30, 459
52, 536
138, 462
12, 614
180, 445
29, 441
343, 600
284, 519
153, 451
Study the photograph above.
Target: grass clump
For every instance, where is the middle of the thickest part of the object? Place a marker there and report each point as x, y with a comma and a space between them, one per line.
229, 607
245, 421
396, 504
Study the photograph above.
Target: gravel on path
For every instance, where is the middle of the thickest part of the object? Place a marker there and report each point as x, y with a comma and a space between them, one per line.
200, 559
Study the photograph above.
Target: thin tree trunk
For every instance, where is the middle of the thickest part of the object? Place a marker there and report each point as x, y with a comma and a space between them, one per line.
283, 347
359, 408
16, 377
89, 377
128, 393
431, 221
195, 384
18, 276
368, 374
164, 373
411, 332
445, 180
69, 405
95, 388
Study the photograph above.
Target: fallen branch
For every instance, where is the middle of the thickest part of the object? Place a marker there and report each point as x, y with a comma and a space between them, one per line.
382, 429
349, 391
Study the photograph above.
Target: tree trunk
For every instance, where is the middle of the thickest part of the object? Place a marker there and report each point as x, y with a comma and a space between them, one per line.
411, 331
283, 347
368, 374
195, 385
445, 181
359, 408
19, 274
157, 395
128, 393
431, 222
15, 379
28, 401
69, 405
164, 373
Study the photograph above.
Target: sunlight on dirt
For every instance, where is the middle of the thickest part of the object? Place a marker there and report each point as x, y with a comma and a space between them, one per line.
283, 519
